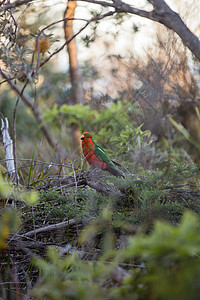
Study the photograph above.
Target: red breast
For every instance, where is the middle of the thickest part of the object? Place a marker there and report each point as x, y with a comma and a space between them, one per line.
87, 146
88, 151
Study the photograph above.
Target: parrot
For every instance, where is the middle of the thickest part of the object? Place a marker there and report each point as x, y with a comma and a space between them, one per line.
97, 157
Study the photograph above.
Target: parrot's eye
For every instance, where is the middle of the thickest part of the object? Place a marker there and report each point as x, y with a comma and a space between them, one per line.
82, 138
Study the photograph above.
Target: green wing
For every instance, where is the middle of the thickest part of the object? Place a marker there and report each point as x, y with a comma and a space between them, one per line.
110, 167
101, 154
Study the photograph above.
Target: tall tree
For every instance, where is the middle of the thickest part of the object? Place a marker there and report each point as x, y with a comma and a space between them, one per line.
77, 90
75, 75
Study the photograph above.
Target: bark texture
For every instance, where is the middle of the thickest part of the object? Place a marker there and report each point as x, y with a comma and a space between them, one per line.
75, 76
8, 148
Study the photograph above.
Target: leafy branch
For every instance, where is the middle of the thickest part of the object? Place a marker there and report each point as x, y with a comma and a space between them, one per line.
162, 14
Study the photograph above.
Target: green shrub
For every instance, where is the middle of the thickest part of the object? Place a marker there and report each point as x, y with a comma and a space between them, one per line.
162, 265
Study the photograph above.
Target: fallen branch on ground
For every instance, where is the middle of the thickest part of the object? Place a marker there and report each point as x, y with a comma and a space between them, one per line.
51, 227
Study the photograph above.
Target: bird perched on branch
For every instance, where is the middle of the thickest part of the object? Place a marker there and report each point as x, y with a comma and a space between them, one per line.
97, 157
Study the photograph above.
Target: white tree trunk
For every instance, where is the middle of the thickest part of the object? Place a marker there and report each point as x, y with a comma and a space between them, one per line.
8, 148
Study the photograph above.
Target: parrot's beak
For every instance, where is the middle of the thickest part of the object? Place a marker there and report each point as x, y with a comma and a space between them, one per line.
82, 137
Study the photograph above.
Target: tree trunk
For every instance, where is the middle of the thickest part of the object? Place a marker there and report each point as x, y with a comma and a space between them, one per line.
8, 149
75, 76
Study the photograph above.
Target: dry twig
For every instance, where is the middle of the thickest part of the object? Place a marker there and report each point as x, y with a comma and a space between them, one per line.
51, 227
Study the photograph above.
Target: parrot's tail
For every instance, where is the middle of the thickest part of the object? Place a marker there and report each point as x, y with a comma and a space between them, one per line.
114, 171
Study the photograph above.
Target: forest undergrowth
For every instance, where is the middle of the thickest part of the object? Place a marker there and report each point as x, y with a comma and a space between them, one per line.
90, 230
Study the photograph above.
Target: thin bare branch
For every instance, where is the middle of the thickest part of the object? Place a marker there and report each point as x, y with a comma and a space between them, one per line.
49, 164
69, 40
51, 227
120, 6
6, 80
161, 13
37, 48
15, 4
35, 111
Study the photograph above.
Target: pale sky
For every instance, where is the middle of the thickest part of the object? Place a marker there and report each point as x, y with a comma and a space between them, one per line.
138, 42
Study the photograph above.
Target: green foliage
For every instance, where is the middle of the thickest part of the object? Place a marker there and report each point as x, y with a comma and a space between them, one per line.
57, 207
78, 113
144, 202
171, 254
8, 190
130, 139
112, 127
167, 267
9, 223
9, 218
70, 278
171, 242
26, 125
141, 203
65, 208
